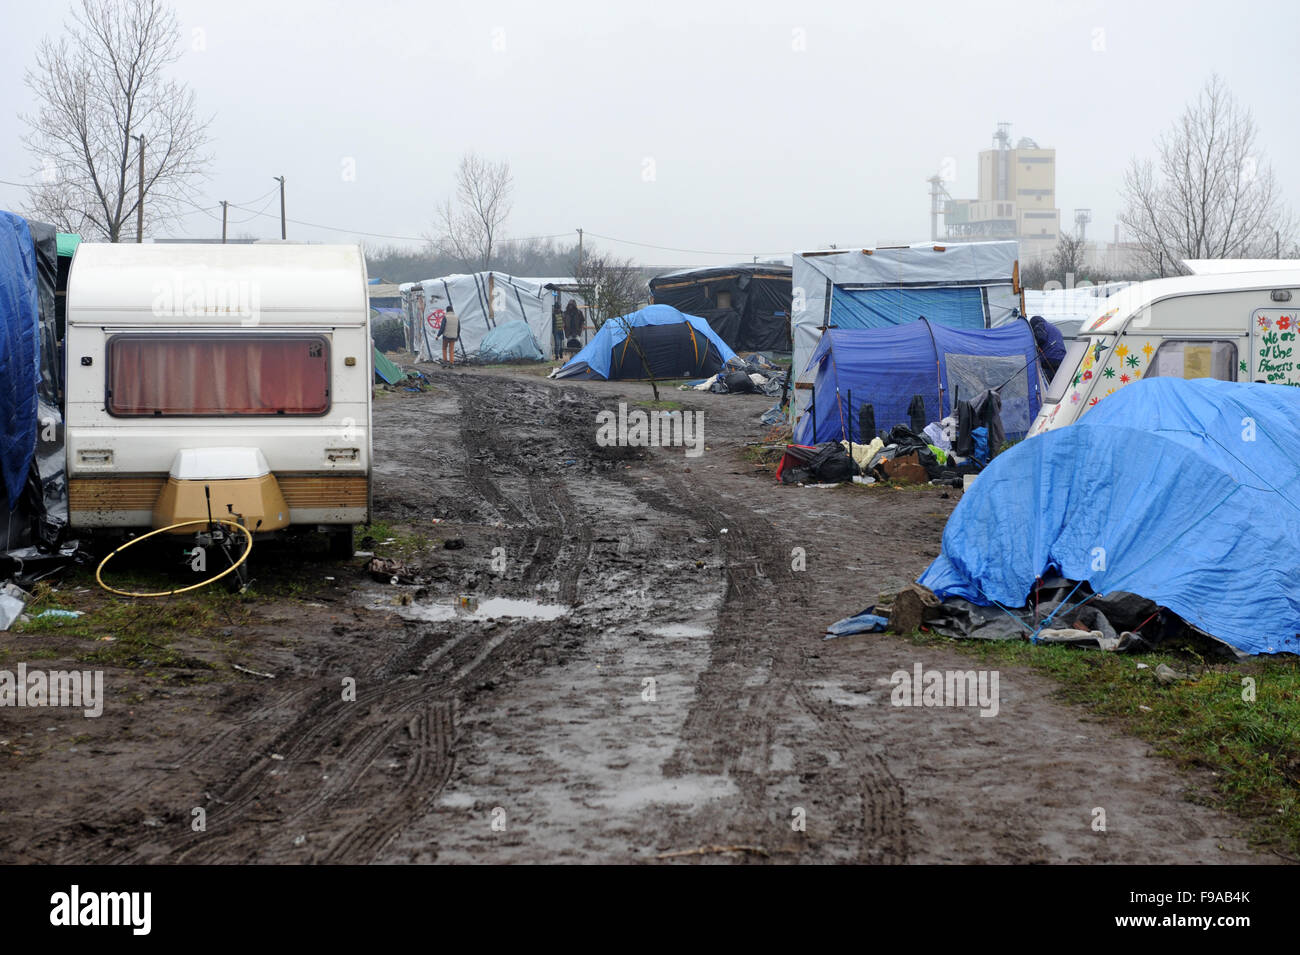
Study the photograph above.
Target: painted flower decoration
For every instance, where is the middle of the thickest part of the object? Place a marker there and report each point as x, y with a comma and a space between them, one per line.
1133, 361
1087, 376
1110, 391
1284, 322
1147, 349
1092, 401
1242, 365
1074, 398
1263, 321
1124, 379
1122, 350
1108, 373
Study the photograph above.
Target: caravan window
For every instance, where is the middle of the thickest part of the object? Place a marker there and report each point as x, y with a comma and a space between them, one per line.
1194, 359
1064, 376
187, 374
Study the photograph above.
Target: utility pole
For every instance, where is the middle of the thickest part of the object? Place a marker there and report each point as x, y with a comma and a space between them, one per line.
139, 198
280, 179
224, 204
580, 251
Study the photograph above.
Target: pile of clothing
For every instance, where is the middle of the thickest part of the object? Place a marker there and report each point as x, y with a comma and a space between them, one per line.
942, 451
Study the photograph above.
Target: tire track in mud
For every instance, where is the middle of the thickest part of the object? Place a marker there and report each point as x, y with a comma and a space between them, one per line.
404, 712
734, 720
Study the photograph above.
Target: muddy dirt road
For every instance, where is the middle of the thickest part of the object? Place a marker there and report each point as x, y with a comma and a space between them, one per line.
662, 685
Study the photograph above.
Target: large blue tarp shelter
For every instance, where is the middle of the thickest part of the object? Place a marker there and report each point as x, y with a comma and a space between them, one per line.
1180, 491
888, 366
675, 344
20, 356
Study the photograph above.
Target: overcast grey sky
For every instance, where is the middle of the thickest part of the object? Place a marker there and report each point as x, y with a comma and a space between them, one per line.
737, 128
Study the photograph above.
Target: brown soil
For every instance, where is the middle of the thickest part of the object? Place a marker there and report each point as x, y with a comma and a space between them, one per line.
532, 740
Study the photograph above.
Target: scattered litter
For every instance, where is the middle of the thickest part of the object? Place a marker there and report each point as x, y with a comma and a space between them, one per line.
1167, 674
55, 614
236, 666
12, 601
276, 756
388, 570
868, 621
299, 840
1144, 709
453, 543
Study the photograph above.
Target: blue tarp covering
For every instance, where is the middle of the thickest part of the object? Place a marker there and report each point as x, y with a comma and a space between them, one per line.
596, 355
512, 341
886, 367
1179, 491
961, 307
20, 356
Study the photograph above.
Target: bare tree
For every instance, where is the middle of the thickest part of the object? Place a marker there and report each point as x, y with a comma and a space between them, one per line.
470, 225
100, 87
609, 286
1068, 257
1209, 194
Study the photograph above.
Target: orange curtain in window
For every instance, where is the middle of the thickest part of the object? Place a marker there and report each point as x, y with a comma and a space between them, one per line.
218, 376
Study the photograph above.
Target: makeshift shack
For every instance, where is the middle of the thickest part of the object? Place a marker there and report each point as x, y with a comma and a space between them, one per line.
656, 341
966, 285
747, 305
482, 301
1178, 491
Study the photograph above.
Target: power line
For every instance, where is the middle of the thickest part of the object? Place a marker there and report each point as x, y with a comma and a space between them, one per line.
669, 248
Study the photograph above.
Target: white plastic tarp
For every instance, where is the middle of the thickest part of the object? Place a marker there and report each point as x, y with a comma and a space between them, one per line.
482, 301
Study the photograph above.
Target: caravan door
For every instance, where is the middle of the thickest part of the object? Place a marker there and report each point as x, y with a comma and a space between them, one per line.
1273, 349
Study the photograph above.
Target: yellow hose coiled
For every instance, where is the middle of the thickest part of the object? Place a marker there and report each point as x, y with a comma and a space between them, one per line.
171, 527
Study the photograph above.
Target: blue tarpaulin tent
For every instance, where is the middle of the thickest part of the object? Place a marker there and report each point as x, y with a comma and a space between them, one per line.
675, 344
1179, 491
512, 341
19, 352
887, 367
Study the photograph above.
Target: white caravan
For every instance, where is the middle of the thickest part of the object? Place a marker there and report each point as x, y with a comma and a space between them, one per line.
1239, 326
235, 377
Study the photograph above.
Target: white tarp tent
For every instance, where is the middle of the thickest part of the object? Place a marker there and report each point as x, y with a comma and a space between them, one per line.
482, 301
967, 284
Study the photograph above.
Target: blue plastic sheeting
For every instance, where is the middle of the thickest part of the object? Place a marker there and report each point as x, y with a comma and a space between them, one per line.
596, 354
1180, 491
20, 356
886, 367
512, 341
961, 307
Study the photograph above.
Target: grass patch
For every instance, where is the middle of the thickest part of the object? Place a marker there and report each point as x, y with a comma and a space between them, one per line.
1251, 747
390, 540
663, 404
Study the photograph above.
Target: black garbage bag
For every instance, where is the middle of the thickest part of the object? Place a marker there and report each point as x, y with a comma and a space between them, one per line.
826, 463
739, 383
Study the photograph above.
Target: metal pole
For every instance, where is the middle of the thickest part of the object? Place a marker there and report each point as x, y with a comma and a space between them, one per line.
280, 180
579, 250
223, 221
139, 199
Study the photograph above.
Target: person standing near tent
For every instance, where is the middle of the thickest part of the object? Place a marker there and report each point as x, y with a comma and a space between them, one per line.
450, 332
1051, 345
557, 328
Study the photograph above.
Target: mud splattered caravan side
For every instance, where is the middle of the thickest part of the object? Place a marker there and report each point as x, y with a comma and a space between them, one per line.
244, 370
1234, 327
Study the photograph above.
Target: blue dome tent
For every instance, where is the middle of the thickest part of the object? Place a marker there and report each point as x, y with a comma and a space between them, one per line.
888, 367
1179, 491
675, 345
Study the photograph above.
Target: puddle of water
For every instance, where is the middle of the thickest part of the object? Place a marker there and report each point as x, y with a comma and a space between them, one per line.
682, 791
681, 630
489, 609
